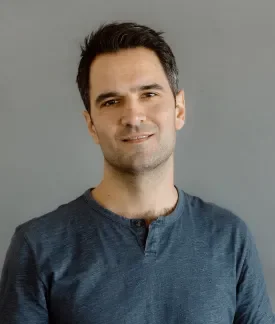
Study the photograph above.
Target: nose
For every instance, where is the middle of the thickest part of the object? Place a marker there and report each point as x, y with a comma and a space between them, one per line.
133, 114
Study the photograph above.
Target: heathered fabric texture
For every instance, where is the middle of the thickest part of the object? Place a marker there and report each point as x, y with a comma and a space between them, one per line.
83, 264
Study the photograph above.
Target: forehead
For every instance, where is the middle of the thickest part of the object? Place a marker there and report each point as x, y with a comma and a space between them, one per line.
125, 69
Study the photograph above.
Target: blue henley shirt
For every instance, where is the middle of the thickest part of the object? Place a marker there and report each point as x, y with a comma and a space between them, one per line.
83, 264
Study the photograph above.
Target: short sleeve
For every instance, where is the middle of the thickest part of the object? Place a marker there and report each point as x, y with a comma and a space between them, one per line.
252, 305
22, 293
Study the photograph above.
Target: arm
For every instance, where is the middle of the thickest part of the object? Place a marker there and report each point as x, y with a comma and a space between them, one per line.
22, 292
252, 303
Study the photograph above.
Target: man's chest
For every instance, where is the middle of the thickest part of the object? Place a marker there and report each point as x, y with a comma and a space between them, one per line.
185, 290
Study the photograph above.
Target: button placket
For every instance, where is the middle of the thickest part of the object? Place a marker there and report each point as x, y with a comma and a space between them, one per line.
139, 223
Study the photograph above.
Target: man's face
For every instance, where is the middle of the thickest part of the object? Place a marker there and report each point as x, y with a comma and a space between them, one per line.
130, 95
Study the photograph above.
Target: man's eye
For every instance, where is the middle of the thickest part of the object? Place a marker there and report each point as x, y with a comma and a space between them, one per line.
149, 94
109, 102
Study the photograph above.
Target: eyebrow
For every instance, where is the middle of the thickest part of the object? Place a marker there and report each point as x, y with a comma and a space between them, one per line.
109, 94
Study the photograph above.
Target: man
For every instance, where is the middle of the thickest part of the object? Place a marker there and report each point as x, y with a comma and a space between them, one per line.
135, 249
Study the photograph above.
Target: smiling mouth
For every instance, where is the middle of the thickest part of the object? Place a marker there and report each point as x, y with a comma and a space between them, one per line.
138, 139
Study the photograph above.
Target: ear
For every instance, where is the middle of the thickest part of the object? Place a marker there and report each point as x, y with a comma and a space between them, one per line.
91, 126
180, 110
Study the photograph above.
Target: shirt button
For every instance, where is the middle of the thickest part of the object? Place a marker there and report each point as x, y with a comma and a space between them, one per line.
139, 223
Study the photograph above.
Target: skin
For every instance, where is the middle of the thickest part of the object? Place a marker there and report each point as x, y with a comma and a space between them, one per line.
138, 179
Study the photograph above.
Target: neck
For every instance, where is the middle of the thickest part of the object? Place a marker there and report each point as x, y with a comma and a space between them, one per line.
138, 196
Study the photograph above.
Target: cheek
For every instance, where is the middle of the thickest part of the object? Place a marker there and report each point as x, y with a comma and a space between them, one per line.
106, 135
165, 106
164, 116
103, 134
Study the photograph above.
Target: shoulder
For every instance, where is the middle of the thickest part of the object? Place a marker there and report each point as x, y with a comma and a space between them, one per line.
55, 223
215, 218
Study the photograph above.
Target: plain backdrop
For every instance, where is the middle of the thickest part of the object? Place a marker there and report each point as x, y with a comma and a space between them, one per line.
225, 153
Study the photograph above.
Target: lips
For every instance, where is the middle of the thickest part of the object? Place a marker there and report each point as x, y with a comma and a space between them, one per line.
137, 139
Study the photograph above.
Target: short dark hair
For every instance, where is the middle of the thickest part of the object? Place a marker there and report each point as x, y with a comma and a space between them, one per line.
110, 38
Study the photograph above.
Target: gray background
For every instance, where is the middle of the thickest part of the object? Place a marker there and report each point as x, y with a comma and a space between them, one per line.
225, 153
